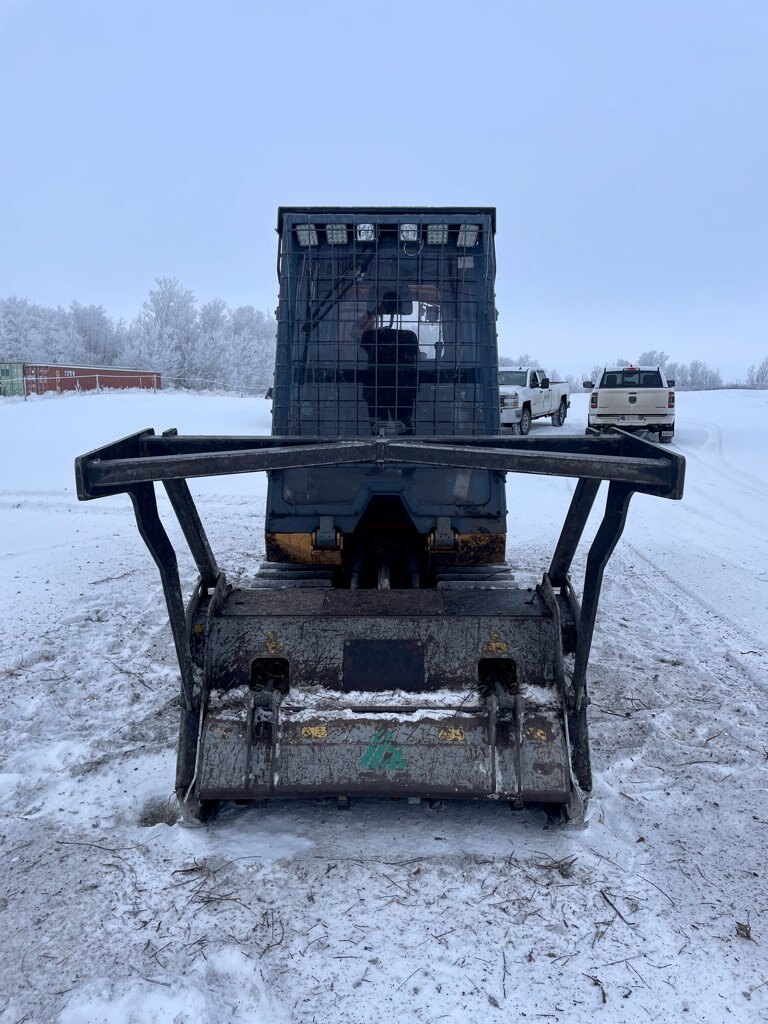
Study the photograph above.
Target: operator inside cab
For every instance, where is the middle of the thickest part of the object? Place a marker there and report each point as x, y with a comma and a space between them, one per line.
393, 354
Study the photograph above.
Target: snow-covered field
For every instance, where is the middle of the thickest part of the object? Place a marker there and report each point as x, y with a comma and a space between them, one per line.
657, 910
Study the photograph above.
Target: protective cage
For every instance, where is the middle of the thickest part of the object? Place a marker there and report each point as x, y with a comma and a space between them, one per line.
286, 685
386, 322
386, 326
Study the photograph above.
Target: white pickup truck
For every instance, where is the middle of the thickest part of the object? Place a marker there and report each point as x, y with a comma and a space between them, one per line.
527, 393
633, 398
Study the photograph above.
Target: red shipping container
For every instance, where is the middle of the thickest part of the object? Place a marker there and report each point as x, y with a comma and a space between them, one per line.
38, 378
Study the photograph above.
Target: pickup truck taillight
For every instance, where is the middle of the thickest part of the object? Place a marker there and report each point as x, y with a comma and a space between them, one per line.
593, 400
671, 400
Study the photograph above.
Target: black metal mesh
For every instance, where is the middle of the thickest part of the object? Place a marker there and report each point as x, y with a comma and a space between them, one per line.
385, 336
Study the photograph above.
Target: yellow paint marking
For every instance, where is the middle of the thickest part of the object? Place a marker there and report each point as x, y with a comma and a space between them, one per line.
533, 733
495, 645
272, 644
453, 734
314, 732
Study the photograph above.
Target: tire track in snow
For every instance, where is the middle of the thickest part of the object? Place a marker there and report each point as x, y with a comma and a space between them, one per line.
682, 597
754, 485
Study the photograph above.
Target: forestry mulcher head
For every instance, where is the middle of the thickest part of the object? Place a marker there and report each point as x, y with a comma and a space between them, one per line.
383, 648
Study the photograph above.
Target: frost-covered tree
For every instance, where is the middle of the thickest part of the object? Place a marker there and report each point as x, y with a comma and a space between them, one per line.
34, 334
206, 363
757, 376
250, 355
653, 357
209, 346
20, 335
523, 360
166, 331
696, 373
702, 377
92, 335
56, 339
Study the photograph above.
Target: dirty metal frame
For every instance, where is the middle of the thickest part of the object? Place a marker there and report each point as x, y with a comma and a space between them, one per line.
133, 464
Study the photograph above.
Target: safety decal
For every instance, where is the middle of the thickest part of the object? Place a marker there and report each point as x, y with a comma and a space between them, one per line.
453, 734
383, 755
314, 732
496, 645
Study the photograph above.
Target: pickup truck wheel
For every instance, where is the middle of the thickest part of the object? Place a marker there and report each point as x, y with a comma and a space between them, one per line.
558, 418
525, 421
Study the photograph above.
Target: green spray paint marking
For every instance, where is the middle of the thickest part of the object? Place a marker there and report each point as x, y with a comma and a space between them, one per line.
383, 755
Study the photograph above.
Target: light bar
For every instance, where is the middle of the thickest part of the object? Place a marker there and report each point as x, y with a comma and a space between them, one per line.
437, 234
409, 232
336, 234
366, 232
307, 234
468, 235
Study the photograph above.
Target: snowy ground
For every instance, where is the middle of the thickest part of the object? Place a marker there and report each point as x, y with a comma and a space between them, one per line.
657, 910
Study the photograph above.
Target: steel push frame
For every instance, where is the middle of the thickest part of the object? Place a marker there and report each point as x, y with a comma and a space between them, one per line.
134, 464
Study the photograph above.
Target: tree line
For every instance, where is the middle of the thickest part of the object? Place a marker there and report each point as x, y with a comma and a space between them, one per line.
214, 345
192, 346
693, 376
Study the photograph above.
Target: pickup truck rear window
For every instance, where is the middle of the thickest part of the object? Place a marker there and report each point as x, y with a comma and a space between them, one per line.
513, 377
631, 379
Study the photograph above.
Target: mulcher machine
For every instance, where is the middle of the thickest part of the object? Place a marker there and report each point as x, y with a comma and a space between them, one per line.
383, 647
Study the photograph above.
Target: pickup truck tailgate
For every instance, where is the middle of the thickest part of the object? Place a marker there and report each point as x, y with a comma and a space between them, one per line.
632, 402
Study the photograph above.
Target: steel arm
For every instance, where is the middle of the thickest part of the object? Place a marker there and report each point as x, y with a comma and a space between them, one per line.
145, 457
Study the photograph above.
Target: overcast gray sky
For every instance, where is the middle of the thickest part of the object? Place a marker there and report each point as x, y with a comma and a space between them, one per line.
624, 143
